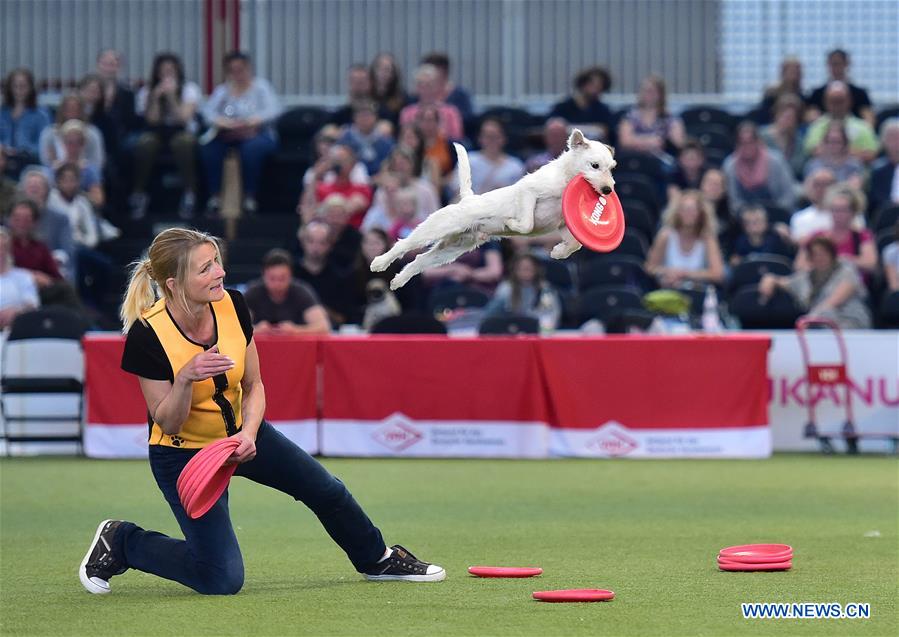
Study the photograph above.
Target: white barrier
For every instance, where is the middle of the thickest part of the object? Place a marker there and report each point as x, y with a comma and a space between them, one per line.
873, 368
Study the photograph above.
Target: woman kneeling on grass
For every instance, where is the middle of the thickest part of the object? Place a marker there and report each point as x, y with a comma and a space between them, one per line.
195, 358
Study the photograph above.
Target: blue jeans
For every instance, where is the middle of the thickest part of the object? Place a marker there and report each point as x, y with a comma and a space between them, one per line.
208, 560
252, 156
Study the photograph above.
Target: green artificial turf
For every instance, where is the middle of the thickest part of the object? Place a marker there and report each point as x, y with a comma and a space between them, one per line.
649, 530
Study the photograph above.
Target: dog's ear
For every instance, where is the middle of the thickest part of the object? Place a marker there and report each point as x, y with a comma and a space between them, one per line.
577, 140
611, 149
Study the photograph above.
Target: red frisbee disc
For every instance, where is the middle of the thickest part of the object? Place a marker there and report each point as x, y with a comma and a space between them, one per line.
756, 550
505, 571
575, 595
208, 473
595, 220
206, 476
755, 558
741, 566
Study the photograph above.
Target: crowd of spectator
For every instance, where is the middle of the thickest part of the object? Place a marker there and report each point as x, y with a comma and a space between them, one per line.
806, 178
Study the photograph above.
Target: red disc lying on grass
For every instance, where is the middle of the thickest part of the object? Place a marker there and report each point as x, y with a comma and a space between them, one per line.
575, 595
742, 566
756, 558
505, 571
206, 476
755, 550
595, 220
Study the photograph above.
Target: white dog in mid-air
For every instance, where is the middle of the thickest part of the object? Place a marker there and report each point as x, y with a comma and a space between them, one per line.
531, 206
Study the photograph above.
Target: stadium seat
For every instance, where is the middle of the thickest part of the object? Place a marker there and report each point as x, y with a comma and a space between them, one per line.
750, 271
297, 126
632, 244
758, 115
886, 218
557, 272
607, 301
42, 376
456, 297
884, 238
636, 187
889, 310
630, 161
780, 312
639, 216
510, 325
411, 323
520, 126
615, 270
703, 115
716, 136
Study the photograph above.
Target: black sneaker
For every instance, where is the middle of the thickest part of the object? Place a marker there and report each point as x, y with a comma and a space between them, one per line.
403, 566
100, 563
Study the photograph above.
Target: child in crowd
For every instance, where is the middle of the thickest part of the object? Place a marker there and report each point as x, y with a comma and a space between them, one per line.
757, 237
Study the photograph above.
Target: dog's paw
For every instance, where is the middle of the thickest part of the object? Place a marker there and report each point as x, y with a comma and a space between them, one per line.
560, 251
379, 264
397, 282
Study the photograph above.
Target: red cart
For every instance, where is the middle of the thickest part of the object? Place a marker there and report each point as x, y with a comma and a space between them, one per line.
827, 374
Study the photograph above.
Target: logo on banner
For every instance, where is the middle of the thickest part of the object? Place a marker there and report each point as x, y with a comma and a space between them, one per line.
397, 433
611, 439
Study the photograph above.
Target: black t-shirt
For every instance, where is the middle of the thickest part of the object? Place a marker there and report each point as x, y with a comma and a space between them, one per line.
334, 288
300, 297
145, 356
595, 113
860, 99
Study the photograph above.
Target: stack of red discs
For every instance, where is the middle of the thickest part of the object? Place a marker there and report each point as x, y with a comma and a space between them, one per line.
756, 557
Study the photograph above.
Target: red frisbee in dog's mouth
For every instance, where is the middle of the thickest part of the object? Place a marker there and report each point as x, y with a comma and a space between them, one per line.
595, 220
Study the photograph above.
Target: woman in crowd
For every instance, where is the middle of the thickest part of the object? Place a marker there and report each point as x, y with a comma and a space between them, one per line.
21, 120
168, 105
399, 173
756, 173
241, 111
790, 83
834, 155
686, 250
491, 166
19, 290
648, 127
387, 86
830, 289
785, 133
857, 246
439, 152
526, 291
52, 147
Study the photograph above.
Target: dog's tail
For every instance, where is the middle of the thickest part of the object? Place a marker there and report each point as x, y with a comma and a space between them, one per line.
464, 170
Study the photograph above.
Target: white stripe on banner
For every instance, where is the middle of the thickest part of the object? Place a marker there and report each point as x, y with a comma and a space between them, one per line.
130, 441
398, 435
613, 440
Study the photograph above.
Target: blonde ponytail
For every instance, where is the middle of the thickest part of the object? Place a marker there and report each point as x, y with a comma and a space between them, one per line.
141, 294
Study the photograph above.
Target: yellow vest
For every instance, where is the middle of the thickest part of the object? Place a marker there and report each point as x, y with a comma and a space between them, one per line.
209, 418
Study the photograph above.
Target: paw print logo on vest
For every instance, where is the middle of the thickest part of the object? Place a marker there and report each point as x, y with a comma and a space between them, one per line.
177, 441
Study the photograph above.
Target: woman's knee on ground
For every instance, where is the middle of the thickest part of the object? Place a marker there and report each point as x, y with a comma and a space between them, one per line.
224, 580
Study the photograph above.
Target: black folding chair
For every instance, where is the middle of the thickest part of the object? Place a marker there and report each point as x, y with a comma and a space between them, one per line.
778, 312
42, 379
